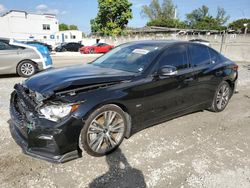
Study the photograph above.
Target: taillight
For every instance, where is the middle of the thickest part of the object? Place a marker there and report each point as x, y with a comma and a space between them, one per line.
235, 67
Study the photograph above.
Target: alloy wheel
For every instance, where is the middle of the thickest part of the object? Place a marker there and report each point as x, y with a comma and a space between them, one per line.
105, 131
27, 69
223, 96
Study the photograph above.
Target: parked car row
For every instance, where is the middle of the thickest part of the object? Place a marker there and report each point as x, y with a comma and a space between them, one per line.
28, 58
75, 47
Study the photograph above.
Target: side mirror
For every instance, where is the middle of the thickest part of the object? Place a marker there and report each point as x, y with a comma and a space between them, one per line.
168, 70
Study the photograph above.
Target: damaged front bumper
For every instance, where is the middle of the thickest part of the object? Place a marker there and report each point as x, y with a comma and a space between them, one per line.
52, 141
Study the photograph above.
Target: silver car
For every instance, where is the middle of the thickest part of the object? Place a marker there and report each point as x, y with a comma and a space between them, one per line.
23, 59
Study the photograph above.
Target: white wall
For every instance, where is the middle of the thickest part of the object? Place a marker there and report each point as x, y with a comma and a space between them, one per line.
25, 26
91, 41
69, 36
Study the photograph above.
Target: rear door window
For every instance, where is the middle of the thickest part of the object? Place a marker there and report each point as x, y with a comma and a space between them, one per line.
213, 55
175, 56
199, 55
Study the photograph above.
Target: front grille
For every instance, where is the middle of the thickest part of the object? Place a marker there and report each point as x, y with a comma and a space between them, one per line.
21, 104
18, 117
23, 94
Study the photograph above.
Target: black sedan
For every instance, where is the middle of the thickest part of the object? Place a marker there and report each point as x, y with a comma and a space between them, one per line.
71, 47
59, 113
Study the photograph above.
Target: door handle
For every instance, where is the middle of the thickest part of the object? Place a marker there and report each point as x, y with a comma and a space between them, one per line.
188, 80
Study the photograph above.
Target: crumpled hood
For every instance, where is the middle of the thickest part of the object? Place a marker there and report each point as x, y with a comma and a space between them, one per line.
53, 80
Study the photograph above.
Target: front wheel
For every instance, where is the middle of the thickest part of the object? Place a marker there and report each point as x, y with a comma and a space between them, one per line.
221, 98
91, 51
64, 50
103, 131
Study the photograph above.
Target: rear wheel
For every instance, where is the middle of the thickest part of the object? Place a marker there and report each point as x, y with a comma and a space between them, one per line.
91, 51
26, 69
221, 98
103, 131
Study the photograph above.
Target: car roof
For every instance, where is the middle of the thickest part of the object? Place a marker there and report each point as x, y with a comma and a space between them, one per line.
4, 39
164, 43
158, 42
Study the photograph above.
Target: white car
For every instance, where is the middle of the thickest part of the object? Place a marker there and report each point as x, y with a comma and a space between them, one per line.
23, 59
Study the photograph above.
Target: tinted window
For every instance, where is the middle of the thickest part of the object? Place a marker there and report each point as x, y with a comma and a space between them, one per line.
103, 44
199, 55
213, 55
176, 56
4, 46
73, 44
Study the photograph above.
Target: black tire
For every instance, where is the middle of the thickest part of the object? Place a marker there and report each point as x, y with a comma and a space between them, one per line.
64, 50
91, 51
215, 107
84, 137
30, 67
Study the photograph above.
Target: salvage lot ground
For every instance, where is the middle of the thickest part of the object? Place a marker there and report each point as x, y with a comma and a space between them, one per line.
203, 149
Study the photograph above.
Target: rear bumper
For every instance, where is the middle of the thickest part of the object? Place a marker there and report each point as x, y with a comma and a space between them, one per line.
43, 139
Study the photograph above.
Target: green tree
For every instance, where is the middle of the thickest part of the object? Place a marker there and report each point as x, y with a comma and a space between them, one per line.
112, 17
63, 27
239, 24
197, 15
201, 19
153, 11
73, 27
222, 17
163, 15
168, 9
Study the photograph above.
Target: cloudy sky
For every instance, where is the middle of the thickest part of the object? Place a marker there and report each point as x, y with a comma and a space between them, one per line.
80, 12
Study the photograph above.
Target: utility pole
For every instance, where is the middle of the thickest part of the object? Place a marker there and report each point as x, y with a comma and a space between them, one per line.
245, 25
175, 13
223, 37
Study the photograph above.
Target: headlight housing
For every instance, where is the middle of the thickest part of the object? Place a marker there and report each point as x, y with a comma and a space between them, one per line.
55, 112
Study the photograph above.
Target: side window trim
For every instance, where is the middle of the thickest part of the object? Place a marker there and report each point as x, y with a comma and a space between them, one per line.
215, 52
174, 46
6, 46
191, 57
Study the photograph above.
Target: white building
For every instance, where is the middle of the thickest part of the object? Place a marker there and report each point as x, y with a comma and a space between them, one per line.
21, 25
68, 36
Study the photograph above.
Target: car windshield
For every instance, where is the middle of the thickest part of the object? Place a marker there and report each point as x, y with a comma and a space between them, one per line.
131, 58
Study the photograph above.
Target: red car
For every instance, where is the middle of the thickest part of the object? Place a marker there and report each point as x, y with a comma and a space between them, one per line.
96, 48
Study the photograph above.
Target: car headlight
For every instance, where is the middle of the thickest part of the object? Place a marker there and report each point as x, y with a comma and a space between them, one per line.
56, 112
